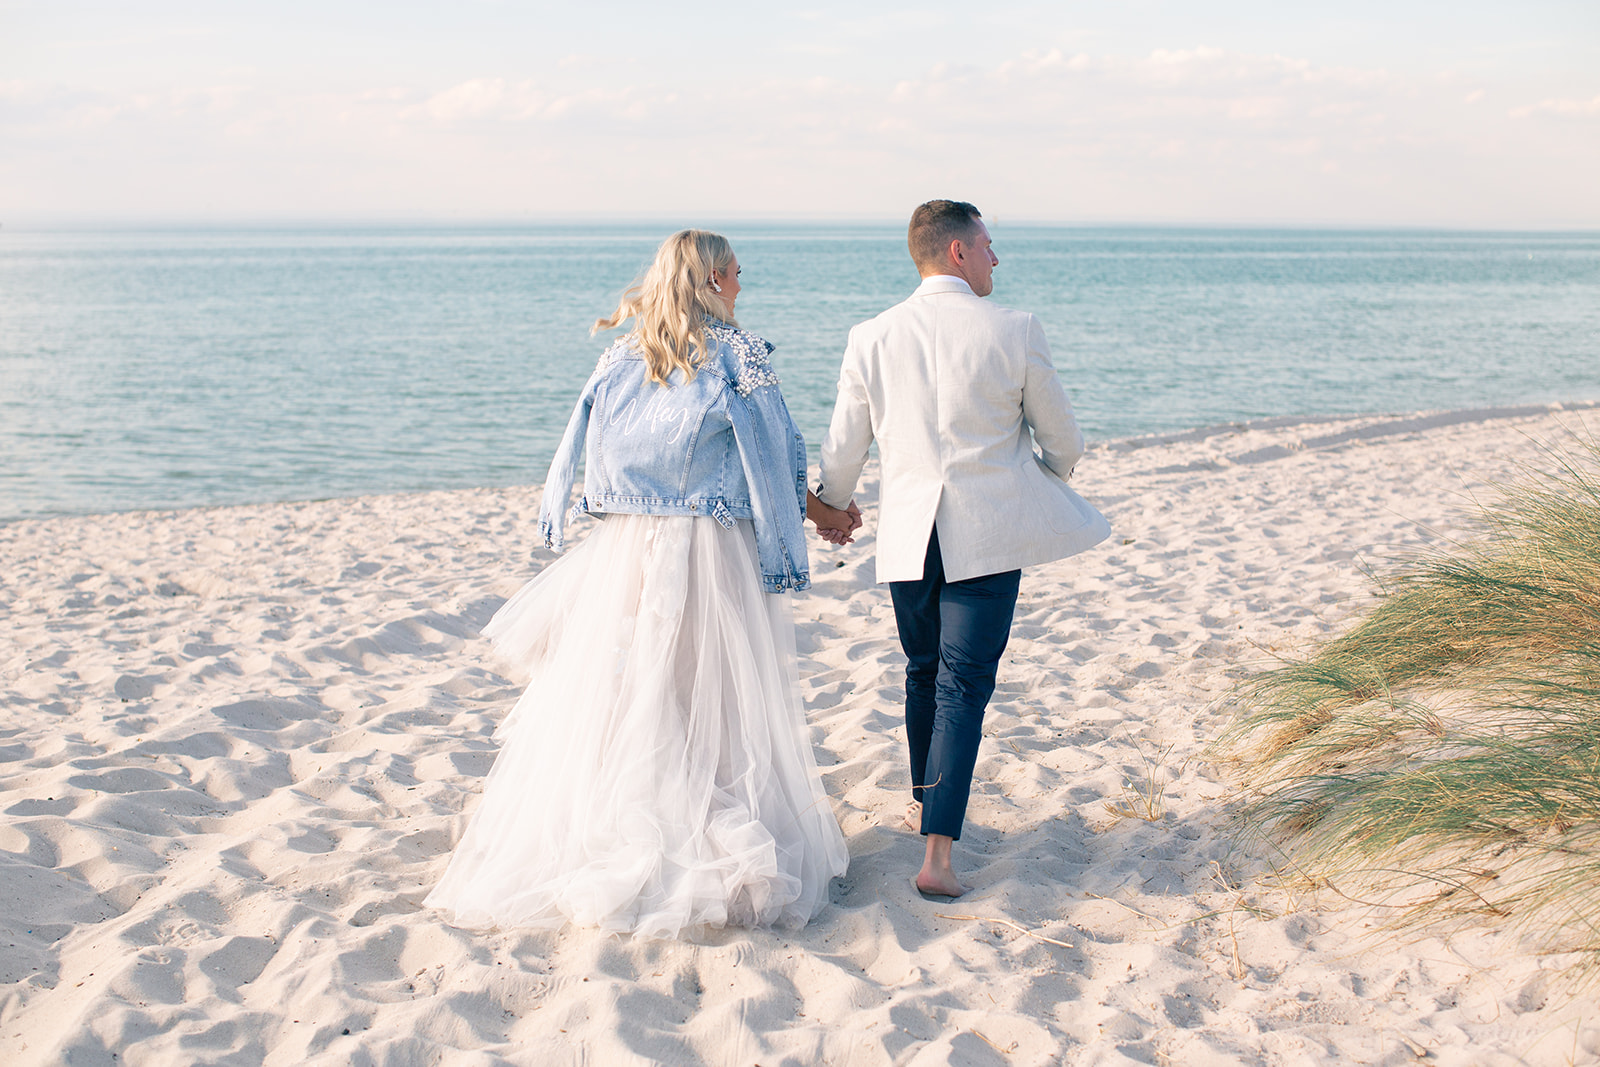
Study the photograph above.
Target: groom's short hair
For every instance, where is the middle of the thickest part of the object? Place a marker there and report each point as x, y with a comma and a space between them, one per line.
935, 224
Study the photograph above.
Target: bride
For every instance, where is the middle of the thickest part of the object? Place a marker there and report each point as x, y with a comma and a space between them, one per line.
656, 778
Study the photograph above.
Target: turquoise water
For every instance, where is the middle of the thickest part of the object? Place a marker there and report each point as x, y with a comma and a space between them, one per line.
143, 369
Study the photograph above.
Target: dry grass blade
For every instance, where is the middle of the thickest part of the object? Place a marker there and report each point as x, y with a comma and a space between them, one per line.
1008, 1050
1145, 798
1018, 927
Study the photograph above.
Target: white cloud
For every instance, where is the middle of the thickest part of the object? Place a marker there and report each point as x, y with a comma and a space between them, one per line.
1569, 108
1194, 134
470, 99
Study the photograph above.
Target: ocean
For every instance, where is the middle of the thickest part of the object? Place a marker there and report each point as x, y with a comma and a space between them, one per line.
190, 367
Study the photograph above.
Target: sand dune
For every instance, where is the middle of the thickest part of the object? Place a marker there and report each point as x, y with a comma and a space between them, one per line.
236, 746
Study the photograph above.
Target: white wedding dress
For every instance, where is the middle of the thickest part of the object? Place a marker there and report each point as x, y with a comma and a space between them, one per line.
656, 776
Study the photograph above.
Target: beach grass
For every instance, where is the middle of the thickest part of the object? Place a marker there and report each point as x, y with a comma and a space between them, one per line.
1441, 757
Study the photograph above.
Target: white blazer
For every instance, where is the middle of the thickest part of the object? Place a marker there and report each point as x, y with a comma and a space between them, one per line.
950, 387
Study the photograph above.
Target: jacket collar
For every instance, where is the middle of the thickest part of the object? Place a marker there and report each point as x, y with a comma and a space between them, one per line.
943, 283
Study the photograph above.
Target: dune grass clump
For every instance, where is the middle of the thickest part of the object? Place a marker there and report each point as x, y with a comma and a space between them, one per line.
1442, 757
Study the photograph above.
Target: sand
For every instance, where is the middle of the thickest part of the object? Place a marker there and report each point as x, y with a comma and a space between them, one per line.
236, 745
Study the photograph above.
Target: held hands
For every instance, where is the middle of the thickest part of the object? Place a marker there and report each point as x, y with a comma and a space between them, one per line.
852, 514
833, 525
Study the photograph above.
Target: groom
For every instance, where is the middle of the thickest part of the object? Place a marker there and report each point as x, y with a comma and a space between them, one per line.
958, 393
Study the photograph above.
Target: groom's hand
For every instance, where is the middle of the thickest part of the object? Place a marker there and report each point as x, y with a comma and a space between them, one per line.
833, 525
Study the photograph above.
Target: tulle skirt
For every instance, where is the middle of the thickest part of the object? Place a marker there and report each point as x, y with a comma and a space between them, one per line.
655, 777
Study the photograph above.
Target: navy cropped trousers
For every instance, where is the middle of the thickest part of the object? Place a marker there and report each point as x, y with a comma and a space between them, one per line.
953, 634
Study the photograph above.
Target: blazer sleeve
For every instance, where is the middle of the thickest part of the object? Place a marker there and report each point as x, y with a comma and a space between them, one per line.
844, 449
1046, 409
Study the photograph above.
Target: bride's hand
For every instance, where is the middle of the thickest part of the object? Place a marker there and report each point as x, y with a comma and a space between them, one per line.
833, 525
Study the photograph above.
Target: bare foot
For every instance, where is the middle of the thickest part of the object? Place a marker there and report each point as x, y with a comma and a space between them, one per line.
914, 817
937, 878
933, 886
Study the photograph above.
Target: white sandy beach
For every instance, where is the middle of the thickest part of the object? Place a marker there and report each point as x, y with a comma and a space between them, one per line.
237, 744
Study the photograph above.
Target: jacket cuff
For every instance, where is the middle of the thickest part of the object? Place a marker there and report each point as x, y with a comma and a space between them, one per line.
778, 583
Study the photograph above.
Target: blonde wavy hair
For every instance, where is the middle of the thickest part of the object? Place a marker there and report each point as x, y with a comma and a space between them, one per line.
670, 304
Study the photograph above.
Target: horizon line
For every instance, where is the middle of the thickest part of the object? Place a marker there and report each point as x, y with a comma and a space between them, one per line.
51, 223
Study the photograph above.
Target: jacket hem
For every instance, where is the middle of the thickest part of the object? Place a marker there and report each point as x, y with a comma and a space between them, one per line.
724, 511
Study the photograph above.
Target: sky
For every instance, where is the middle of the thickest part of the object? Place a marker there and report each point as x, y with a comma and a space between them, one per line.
1230, 112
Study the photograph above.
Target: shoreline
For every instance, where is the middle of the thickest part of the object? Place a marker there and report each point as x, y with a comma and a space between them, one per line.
1381, 424
236, 744
1366, 426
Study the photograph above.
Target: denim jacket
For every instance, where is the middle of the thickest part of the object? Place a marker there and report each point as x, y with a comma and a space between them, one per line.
721, 445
